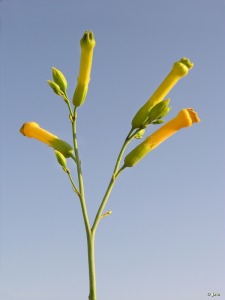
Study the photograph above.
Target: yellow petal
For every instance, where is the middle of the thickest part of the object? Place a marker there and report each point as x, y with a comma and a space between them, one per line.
33, 130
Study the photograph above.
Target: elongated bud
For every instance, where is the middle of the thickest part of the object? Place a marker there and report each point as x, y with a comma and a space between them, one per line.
55, 87
179, 70
61, 159
185, 118
33, 130
59, 79
87, 44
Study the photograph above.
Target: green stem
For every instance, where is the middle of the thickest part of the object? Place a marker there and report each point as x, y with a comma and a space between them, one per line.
91, 265
73, 184
80, 177
112, 181
67, 100
125, 144
90, 232
89, 235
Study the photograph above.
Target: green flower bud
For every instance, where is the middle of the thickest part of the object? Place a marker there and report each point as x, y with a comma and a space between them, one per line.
139, 134
61, 159
158, 111
59, 79
158, 122
166, 111
55, 87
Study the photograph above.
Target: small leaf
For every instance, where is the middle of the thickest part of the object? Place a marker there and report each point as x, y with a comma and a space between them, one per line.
106, 214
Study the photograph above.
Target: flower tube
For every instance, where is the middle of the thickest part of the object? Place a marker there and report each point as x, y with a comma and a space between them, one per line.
33, 130
179, 70
185, 118
87, 44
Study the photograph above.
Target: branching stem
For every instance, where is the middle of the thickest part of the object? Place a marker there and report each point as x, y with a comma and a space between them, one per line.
90, 231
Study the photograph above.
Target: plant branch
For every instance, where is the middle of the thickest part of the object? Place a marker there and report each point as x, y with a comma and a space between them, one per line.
115, 174
72, 182
79, 174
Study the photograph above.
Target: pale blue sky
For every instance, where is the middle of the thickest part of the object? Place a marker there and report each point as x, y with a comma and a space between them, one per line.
165, 237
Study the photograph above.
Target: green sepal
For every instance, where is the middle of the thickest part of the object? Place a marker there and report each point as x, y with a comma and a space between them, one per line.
139, 134
59, 79
159, 110
61, 160
63, 147
80, 94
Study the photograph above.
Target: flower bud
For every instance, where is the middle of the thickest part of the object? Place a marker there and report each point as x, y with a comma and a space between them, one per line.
87, 44
185, 118
59, 79
157, 122
140, 134
158, 111
179, 70
33, 130
55, 87
61, 159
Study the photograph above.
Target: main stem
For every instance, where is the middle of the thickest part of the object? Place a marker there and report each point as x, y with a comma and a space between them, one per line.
91, 266
89, 235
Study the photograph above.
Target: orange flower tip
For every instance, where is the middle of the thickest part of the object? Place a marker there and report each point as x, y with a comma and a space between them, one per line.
26, 126
193, 115
188, 116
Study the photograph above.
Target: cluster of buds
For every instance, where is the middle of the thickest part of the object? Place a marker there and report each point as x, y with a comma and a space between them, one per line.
59, 82
59, 85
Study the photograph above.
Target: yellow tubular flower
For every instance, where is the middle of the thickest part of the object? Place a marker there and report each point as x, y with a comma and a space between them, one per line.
87, 44
185, 118
33, 130
179, 70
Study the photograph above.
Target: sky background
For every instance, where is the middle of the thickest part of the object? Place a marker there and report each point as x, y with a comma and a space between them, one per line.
166, 236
